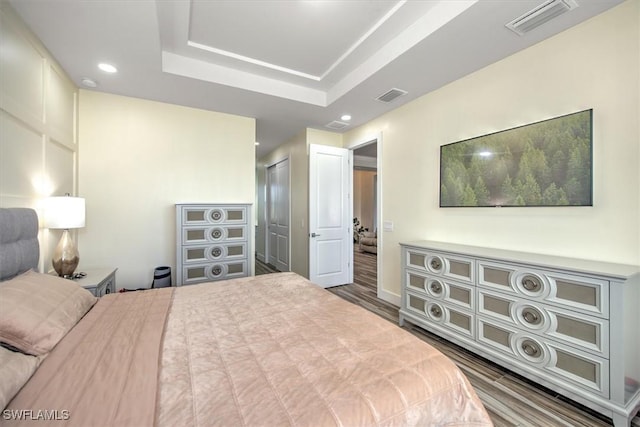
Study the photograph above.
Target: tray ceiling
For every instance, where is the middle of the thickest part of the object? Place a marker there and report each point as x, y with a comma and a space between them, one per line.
291, 64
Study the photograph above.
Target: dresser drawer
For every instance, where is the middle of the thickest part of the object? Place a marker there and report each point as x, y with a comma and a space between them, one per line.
213, 252
454, 267
201, 215
558, 362
192, 274
584, 332
586, 295
441, 314
214, 233
439, 288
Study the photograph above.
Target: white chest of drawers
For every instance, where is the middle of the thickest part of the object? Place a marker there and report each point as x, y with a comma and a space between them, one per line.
212, 242
571, 325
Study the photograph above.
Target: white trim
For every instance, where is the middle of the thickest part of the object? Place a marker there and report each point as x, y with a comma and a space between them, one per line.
366, 35
201, 70
252, 60
382, 293
437, 17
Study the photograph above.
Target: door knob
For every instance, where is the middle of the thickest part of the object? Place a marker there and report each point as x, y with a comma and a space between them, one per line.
314, 235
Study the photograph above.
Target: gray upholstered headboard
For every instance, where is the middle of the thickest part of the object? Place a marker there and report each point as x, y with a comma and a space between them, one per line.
19, 248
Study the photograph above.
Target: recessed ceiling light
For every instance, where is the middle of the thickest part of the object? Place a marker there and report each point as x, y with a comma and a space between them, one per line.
107, 68
345, 117
86, 81
256, 143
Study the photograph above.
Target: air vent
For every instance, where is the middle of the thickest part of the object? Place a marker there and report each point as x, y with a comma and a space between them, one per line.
337, 125
390, 95
539, 15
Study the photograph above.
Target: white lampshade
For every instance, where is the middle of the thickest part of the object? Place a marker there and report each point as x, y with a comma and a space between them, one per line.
64, 212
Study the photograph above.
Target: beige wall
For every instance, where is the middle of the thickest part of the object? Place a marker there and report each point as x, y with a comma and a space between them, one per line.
38, 116
321, 137
297, 151
137, 160
594, 65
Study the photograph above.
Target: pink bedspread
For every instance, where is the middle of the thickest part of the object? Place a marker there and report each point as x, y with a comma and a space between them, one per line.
276, 350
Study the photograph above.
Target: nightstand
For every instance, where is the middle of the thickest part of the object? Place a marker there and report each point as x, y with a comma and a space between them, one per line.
98, 281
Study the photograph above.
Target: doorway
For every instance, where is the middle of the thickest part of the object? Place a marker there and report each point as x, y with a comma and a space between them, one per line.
366, 201
278, 212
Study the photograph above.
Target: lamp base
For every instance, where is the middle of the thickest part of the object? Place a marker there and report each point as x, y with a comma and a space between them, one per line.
65, 257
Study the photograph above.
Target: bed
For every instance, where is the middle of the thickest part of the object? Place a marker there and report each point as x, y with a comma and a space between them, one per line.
270, 350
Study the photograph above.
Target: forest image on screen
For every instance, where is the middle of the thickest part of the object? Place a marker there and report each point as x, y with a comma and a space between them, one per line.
547, 163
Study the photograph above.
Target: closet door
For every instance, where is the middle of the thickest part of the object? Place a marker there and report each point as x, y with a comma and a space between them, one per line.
278, 215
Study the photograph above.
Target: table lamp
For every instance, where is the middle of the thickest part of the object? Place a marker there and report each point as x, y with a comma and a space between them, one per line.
65, 213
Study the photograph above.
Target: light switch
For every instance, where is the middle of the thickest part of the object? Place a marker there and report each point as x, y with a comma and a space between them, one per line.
387, 225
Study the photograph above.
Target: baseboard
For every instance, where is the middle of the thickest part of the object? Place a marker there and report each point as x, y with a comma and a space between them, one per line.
389, 297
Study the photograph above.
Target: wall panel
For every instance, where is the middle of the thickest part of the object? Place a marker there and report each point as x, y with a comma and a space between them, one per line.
60, 108
21, 172
22, 77
59, 168
37, 148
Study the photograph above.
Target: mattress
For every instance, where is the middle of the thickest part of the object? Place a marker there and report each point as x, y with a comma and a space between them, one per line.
270, 350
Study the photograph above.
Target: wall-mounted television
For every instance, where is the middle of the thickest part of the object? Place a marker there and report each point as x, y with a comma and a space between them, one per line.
547, 163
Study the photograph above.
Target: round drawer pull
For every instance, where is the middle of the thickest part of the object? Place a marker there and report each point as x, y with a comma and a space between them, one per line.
435, 263
216, 215
436, 287
216, 252
216, 270
216, 233
531, 348
531, 283
435, 311
532, 316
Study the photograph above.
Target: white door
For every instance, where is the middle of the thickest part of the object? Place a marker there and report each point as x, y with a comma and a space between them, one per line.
278, 215
330, 220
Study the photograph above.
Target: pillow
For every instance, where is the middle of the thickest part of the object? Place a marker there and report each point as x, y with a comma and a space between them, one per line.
39, 309
15, 370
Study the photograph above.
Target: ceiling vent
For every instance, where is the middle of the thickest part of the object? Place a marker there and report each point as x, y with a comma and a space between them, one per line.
539, 15
390, 95
336, 125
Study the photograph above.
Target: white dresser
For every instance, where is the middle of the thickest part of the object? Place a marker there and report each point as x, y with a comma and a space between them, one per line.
213, 242
571, 325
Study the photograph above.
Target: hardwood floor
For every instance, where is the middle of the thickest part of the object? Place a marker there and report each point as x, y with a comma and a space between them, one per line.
510, 399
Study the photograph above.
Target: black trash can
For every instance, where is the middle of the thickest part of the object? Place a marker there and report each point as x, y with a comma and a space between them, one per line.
161, 277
